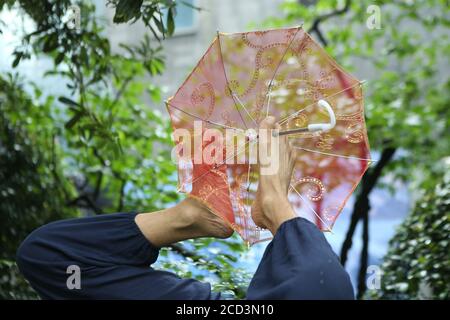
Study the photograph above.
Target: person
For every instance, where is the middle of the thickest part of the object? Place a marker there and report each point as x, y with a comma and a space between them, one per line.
115, 251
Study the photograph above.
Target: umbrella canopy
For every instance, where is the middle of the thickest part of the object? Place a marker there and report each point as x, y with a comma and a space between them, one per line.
241, 79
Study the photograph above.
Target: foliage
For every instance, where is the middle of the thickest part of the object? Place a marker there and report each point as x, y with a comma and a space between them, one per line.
418, 257
211, 260
12, 284
150, 12
99, 148
27, 176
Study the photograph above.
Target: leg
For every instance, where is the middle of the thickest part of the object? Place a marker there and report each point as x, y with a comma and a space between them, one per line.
298, 263
114, 253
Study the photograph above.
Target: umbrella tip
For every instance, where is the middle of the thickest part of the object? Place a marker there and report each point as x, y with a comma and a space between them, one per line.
219, 33
167, 101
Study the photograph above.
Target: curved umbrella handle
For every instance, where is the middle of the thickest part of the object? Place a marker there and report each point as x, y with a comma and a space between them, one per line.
313, 127
324, 126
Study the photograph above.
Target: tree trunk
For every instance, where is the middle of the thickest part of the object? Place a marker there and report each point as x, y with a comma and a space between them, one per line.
364, 258
361, 210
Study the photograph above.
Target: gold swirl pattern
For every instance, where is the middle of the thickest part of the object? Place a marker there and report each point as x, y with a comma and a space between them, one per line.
256, 113
316, 191
325, 142
285, 83
326, 78
221, 174
267, 56
201, 93
227, 119
300, 120
300, 46
357, 116
264, 58
290, 34
258, 34
205, 191
353, 133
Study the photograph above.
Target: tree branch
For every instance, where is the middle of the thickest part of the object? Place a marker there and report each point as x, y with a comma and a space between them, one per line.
362, 203
364, 258
121, 91
315, 27
89, 203
122, 194
116, 175
55, 167
98, 185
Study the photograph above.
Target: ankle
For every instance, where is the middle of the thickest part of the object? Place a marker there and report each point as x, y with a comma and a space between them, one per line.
276, 210
187, 215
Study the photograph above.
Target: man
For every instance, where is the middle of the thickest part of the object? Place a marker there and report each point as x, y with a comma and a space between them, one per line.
114, 252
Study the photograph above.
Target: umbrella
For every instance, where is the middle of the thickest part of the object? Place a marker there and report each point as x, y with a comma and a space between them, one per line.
241, 79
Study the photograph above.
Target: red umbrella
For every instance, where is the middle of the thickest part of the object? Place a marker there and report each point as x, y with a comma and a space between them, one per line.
241, 79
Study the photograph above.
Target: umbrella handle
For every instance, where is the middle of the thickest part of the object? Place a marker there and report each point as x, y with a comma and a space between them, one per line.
313, 127
324, 126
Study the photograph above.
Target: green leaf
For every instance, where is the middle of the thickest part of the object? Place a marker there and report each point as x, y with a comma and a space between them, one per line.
73, 121
170, 22
69, 102
50, 43
16, 61
155, 93
127, 10
59, 58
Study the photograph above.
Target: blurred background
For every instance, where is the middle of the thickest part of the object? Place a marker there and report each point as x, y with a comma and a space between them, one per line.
84, 130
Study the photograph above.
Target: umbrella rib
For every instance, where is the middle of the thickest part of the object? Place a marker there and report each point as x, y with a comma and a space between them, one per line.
280, 122
311, 208
226, 79
276, 70
207, 121
248, 178
334, 155
248, 185
268, 99
243, 106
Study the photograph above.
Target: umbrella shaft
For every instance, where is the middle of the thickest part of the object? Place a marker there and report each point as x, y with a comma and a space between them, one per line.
299, 130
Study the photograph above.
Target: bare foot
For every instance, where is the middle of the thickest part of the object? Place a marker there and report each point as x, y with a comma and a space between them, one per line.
203, 221
271, 206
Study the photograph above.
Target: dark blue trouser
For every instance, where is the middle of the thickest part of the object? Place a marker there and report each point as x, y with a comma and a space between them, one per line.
115, 258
